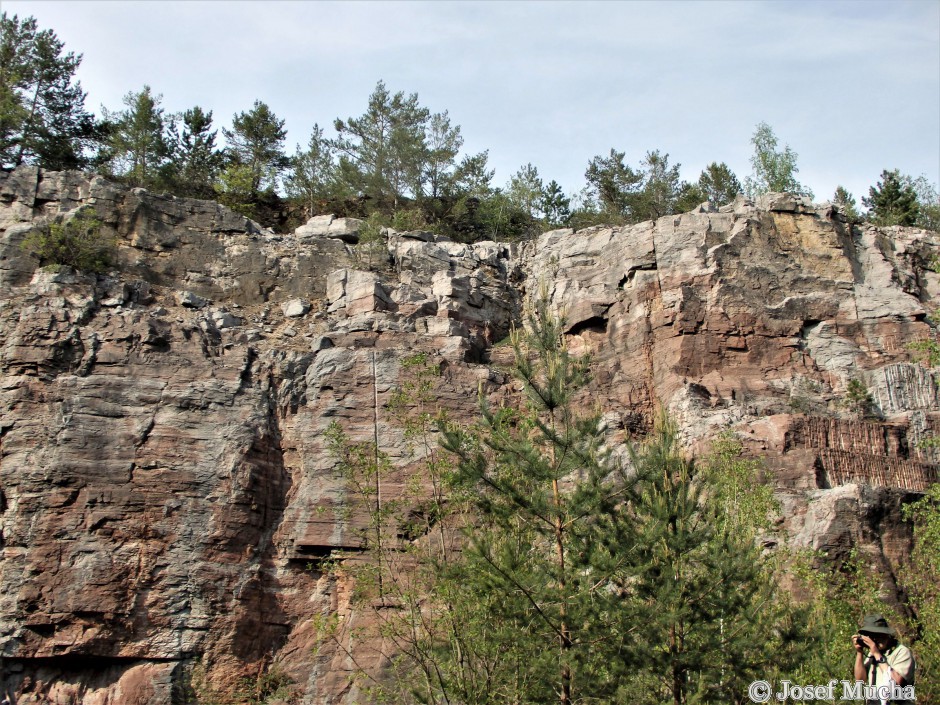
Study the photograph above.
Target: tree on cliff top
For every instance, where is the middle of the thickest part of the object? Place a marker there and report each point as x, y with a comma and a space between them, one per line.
139, 144
719, 184
893, 201
384, 150
256, 143
312, 176
197, 161
773, 170
613, 183
43, 120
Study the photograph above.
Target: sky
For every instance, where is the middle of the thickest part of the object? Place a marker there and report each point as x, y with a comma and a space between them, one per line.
852, 87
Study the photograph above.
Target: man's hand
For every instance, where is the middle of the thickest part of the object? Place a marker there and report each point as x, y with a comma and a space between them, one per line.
858, 643
872, 646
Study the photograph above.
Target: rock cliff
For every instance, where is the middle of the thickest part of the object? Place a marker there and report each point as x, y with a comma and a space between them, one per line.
166, 495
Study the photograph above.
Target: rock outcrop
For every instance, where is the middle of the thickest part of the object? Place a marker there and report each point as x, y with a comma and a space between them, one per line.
166, 493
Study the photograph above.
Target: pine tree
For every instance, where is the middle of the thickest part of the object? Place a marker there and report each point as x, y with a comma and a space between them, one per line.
312, 175
139, 146
688, 197
613, 183
197, 161
555, 205
712, 618
719, 184
384, 150
892, 201
524, 190
472, 178
660, 189
846, 201
43, 120
256, 142
443, 145
540, 553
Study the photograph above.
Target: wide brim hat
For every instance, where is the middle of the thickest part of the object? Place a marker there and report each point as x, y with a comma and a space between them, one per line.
876, 624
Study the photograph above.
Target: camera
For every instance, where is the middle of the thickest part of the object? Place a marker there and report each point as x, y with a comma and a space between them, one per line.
858, 640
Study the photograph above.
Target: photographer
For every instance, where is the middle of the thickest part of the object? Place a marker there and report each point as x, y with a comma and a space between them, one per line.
887, 660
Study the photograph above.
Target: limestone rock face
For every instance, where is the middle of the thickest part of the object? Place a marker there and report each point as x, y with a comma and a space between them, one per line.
166, 490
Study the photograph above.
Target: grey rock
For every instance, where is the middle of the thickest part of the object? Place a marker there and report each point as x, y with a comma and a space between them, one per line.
317, 226
295, 308
321, 342
188, 299
345, 229
224, 319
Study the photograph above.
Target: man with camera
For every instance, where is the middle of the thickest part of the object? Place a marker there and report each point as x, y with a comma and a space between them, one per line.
888, 663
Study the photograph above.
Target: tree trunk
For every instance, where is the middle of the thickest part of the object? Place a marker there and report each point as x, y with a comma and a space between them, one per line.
564, 638
28, 124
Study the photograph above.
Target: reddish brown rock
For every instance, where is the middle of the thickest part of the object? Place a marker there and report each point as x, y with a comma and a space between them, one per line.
166, 493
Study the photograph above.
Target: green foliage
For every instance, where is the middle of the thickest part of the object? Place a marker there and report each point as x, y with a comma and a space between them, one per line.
269, 686
42, 108
893, 201
139, 140
409, 219
234, 189
626, 195
858, 399
498, 217
555, 206
196, 160
256, 142
524, 190
411, 537
384, 150
613, 182
689, 197
372, 246
648, 583
839, 594
928, 202
660, 189
773, 170
76, 243
471, 177
846, 201
743, 503
443, 143
312, 176
719, 184
926, 352
542, 490
713, 617
921, 581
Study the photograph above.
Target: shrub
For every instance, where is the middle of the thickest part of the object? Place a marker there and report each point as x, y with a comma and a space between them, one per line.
371, 245
76, 243
926, 351
858, 399
409, 219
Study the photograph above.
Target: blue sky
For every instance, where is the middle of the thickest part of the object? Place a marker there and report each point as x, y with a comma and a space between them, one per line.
852, 87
